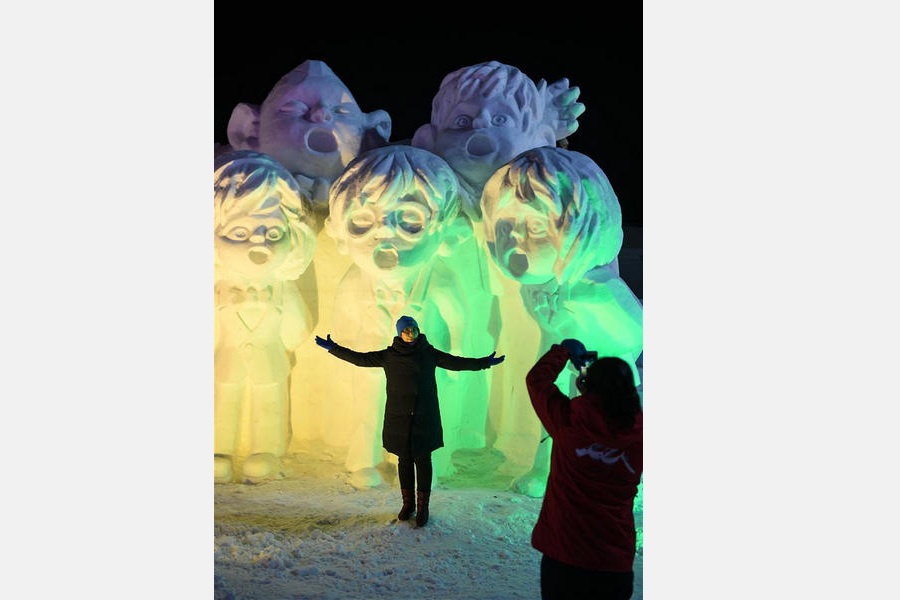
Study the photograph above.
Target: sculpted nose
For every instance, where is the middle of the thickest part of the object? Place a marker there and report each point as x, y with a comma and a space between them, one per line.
258, 236
481, 120
384, 229
320, 115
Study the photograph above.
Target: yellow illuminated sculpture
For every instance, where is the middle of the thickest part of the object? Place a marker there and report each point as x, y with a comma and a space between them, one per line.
312, 124
553, 225
263, 241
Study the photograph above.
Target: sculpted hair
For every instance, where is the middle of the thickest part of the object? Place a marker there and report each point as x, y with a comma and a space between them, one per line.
488, 80
574, 193
392, 172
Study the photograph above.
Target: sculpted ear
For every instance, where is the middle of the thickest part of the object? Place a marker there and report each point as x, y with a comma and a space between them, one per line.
424, 137
243, 127
378, 130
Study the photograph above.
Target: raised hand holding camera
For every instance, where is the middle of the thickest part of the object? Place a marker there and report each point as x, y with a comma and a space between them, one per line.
577, 352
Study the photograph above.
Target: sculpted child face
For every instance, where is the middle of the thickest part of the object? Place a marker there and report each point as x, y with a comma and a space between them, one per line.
254, 243
313, 127
478, 137
526, 246
390, 234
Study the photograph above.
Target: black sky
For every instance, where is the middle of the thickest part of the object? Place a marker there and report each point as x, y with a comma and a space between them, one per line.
401, 71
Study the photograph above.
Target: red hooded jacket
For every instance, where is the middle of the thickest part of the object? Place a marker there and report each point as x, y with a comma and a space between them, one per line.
587, 517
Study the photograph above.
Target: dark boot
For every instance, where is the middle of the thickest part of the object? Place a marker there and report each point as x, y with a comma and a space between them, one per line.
422, 508
409, 506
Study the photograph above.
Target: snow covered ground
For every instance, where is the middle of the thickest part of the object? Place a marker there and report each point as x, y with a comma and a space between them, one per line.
313, 536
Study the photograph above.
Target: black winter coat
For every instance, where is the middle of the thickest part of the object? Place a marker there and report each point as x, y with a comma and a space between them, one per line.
412, 416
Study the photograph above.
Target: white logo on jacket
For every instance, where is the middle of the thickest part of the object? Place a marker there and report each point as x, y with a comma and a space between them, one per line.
609, 456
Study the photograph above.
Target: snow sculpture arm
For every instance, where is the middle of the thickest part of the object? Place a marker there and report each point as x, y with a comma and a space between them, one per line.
296, 324
562, 109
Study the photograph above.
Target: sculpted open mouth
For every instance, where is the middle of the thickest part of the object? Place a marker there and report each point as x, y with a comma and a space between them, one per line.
480, 145
321, 140
259, 255
386, 257
517, 263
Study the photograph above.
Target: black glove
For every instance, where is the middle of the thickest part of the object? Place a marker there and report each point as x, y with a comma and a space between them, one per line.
577, 352
495, 360
326, 343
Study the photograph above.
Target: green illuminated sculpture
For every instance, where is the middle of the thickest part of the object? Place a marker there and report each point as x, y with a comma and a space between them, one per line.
554, 225
482, 116
393, 211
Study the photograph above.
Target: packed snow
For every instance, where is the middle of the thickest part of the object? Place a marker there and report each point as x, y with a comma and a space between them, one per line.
312, 535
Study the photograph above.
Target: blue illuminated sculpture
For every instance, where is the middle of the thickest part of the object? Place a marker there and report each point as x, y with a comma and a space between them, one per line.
310, 123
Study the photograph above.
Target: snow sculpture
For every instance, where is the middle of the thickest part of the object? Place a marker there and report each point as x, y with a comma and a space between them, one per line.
393, 210
482, 116
485, 114
553, 224
490, 124
312, 124
264, 240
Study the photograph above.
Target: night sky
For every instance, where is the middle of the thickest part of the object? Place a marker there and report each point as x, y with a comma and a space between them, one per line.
401, 72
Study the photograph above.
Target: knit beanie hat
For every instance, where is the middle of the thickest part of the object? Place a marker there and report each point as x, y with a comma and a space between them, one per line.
404, 322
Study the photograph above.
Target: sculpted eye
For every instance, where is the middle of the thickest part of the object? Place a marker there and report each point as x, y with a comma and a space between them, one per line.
462, 122
537, 228
238, 234
411, 219
503, 229
360, 222
294, 107
412, 226
273, 234
499, 120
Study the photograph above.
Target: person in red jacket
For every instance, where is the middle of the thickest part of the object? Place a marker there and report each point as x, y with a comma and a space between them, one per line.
585, 530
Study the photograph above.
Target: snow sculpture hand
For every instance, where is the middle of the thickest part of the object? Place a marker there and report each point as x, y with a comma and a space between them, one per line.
563, 108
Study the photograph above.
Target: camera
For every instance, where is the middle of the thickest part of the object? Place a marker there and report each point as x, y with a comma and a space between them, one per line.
588, 359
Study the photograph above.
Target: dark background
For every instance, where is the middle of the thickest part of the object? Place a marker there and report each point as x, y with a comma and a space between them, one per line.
401, 71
